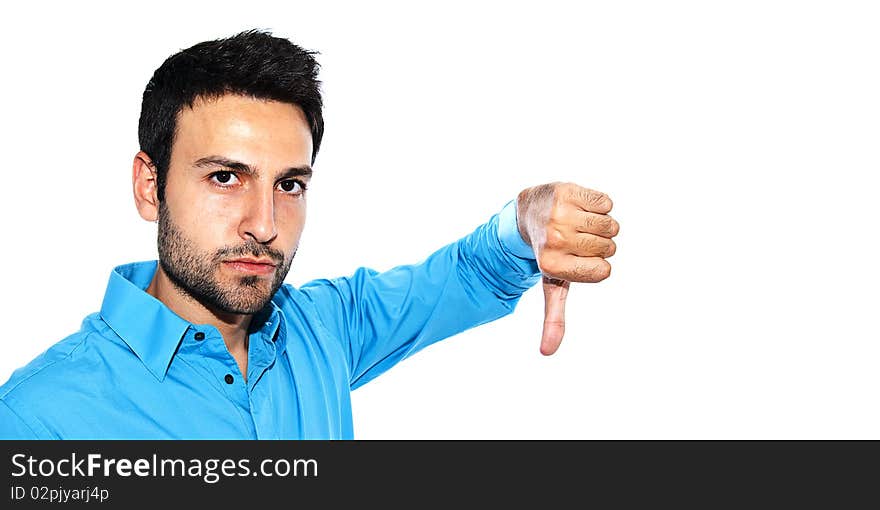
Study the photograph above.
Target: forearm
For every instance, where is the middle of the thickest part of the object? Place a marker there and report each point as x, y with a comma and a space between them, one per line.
385, 317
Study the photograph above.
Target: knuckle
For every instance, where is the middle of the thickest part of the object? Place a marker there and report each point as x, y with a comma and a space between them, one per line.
600, 201
609, 204
575, 192
560, 198
596, 272
614, 229
557, 213
603, 270
586, 244
555, 239
589, 222
595, 199
610, 227
611, 249
548, 264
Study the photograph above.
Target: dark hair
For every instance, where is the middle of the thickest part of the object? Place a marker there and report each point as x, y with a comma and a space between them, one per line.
252, 63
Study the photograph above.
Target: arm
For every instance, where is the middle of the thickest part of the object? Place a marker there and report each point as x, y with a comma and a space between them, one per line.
382, 318
560, 231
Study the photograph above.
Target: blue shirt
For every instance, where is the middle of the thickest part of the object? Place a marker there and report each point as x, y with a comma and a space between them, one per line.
136, 370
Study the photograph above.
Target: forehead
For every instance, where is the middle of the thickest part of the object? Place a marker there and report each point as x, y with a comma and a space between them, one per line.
244, 128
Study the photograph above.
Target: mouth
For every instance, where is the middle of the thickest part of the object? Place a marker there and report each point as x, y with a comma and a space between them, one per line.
251, 266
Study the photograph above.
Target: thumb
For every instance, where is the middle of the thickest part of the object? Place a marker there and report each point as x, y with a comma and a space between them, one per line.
555, 292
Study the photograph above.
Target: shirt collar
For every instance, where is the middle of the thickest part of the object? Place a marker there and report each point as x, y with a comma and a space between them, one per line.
143, 322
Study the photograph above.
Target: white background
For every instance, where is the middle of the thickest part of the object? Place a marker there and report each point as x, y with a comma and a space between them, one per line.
738, 140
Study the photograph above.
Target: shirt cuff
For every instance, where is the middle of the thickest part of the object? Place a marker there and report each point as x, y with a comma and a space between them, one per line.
508, 233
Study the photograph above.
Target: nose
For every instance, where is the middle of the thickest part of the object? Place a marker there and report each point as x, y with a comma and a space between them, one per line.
258, 221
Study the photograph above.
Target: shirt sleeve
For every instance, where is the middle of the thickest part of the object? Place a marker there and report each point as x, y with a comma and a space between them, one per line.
381, 318
12, 426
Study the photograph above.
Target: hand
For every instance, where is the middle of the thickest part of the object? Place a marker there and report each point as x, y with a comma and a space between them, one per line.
569, 230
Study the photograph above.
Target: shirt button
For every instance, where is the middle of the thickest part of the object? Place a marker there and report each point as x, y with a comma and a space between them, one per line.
229, 379
199, 336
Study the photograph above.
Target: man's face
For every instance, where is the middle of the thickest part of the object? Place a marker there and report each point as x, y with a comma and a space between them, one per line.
234, 207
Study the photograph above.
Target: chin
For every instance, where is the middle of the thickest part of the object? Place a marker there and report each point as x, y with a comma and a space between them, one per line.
246, 300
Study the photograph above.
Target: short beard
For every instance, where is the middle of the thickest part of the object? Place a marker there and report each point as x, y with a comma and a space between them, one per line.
195, 273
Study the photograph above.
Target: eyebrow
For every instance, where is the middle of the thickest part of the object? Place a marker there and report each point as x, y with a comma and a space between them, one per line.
244, 168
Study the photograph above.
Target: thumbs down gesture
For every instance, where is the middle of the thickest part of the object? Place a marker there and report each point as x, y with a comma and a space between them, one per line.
570, 231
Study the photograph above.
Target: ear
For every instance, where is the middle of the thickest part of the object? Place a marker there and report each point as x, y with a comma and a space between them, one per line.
145, 185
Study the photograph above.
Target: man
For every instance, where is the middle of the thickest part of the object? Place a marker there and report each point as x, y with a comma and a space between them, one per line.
209, 342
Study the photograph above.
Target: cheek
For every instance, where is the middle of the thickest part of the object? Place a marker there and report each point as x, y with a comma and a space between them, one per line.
291, 219
211, 220
218, 209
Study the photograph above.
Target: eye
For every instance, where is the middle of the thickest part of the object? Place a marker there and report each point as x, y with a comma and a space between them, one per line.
224, 179
292, 186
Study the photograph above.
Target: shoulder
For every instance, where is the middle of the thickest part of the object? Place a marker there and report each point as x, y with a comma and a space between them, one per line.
70, 365
315, 292
56, 359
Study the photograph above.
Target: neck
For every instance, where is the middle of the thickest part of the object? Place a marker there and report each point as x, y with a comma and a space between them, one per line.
232, 326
